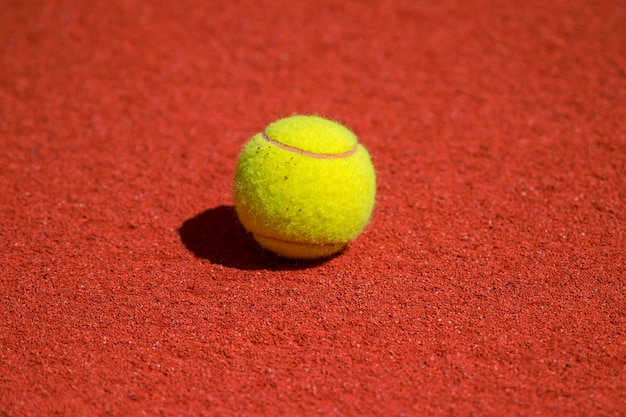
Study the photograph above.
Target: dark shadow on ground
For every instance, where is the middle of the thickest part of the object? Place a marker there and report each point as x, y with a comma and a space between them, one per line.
217, 236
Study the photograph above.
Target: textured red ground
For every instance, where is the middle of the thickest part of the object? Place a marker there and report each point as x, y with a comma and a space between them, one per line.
491, 280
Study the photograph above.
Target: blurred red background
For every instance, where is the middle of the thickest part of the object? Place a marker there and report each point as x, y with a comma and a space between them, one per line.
491, 280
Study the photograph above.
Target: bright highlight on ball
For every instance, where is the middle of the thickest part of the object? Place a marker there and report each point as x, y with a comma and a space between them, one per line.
304, 187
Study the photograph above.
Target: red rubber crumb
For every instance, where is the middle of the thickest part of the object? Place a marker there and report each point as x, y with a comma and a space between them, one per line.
490, 282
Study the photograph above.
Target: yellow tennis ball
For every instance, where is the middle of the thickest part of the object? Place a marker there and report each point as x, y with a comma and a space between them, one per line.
304, 187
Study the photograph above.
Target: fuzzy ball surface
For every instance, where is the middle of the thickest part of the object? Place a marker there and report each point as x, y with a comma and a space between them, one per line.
304, 187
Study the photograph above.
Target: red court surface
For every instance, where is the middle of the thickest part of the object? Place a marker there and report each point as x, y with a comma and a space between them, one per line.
491, 280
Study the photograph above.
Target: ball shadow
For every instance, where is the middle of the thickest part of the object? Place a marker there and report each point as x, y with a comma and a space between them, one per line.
217, 236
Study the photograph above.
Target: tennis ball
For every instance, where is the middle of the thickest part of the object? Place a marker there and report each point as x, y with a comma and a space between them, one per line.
304, 187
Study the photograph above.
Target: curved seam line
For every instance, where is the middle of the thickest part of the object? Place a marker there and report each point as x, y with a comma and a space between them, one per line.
296, 243
311, 154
